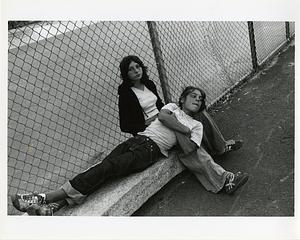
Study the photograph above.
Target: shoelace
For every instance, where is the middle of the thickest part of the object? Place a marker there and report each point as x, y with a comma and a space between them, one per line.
229, 146
54, 206
230, 183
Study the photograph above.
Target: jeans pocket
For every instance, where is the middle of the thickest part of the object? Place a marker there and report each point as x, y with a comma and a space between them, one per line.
137, 142
153, 153
133, 147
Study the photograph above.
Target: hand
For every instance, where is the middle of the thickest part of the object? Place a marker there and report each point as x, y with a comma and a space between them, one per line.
150, 120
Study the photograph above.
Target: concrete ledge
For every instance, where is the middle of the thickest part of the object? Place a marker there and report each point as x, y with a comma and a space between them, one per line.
124, 196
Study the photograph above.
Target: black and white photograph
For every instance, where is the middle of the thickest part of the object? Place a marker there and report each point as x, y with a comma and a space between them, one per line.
150, 119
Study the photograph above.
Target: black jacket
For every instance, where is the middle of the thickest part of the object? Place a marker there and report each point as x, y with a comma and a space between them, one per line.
130, 111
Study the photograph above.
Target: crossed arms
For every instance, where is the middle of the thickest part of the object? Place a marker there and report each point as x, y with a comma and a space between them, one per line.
182, 132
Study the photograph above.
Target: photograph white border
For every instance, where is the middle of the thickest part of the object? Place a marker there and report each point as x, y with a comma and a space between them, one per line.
18, 227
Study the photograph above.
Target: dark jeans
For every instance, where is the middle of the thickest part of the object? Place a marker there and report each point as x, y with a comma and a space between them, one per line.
213, 141
131, 156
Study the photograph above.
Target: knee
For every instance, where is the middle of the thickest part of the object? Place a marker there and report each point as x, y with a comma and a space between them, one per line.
204, 157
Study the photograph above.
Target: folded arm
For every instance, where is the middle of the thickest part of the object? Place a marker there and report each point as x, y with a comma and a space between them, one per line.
168, 118
182, 132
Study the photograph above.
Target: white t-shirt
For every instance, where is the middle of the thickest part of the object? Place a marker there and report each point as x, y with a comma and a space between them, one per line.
147, 100
165, 138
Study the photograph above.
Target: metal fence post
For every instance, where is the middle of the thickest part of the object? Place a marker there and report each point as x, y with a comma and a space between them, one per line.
252, 46
287, 30
159, 61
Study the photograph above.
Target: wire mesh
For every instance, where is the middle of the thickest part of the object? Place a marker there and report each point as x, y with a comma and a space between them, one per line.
269, 36
62, 97
211, 55
63, 78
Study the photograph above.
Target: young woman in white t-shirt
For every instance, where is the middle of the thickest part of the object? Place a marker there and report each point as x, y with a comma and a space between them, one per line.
133, 155
138, 108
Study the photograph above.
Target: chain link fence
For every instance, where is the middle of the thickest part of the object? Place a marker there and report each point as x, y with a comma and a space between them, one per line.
211, 55
63, 79
269, 36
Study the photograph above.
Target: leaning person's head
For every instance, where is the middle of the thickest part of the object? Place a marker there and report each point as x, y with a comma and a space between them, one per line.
133, 69
192, 100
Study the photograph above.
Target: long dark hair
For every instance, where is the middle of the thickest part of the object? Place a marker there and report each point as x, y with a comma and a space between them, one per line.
187, 91
124, 65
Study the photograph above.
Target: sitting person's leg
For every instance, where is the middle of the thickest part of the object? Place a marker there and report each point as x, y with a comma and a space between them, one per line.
211, 175
213, 140
134, 155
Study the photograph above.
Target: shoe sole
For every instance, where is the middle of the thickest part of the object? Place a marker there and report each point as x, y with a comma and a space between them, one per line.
240, 183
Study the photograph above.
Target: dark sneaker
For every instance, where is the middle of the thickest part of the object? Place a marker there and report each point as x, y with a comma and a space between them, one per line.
233, 145
234, 181
23, 201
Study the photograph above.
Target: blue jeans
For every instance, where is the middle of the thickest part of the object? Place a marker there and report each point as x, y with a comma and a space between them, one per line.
131, 156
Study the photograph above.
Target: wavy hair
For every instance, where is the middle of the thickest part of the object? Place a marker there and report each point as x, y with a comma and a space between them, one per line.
187, 91
124, 65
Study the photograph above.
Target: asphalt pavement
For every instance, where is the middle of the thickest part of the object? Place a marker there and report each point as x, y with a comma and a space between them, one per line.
261, 112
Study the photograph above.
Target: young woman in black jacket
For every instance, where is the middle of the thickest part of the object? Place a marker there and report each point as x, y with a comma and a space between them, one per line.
139, 102
134, 113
